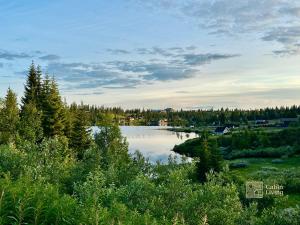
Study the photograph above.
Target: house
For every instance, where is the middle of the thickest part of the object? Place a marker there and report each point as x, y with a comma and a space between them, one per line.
285, 122
222, 130
163, 123
261, 122
168, 110
231, 125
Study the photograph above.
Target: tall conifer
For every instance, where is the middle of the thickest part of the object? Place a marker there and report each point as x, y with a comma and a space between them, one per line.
31, 87
53, 111
9, 118
80, 136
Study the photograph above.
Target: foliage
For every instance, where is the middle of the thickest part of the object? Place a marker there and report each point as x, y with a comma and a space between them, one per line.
9, 118
30, 126
80, 138
261, 153
53, 109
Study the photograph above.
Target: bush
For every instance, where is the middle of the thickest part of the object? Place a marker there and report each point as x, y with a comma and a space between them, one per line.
261, 153
31, 202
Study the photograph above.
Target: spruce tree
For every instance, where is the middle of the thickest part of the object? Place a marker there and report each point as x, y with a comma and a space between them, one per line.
30, 127
39, 74
81, 136
216, 158
53, 111
9, 118
31, 93
203, 165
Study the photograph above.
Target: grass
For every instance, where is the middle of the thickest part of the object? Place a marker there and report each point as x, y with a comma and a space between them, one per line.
258, 164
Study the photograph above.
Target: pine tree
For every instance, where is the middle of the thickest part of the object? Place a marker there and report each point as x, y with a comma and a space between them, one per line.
30, 127
31, 93
81, 136
9, 118
53, 111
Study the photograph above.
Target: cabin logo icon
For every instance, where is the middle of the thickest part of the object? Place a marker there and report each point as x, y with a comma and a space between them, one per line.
254, 189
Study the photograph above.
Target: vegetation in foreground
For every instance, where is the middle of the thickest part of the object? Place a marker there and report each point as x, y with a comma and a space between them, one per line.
52, 172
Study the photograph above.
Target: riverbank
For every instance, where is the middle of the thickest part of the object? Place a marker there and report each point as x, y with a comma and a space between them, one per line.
196, 130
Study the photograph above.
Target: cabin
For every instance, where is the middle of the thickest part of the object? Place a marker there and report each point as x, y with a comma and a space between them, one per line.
163, 123
261, 123
222, 130
169, 110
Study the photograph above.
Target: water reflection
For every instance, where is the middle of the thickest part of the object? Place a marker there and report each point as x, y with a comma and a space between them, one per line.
153, 142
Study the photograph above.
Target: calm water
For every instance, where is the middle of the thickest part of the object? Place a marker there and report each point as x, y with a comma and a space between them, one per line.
153, 142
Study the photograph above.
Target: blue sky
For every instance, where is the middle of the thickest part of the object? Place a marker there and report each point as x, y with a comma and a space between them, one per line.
156, 53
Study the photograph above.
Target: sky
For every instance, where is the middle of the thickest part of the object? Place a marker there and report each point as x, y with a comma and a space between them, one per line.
190, 54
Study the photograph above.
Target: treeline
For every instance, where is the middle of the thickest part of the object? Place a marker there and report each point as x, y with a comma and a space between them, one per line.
194, 117
42, 115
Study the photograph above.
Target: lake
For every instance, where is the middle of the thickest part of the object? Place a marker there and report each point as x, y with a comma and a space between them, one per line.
153, 142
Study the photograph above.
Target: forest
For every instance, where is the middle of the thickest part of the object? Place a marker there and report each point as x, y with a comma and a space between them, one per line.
187, 118
53, 171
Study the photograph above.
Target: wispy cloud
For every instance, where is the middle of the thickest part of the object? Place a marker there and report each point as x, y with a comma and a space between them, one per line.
50, 57
275, 20
200, 59
12, 55
85, 76
176, 63
118, 51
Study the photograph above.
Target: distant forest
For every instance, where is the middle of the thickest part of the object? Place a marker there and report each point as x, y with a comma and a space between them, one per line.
194, 117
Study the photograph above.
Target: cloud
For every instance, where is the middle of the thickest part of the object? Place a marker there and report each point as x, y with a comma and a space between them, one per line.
1, 65
50, 57
284, 35
158, 51
149, 71
200, 59
179, 65
286, 52
90, 93
292, 11
275, 20
117, 51
11, 56
85, 76
182, 66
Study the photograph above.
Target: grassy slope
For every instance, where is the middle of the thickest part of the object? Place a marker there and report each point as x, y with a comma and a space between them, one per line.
257, 164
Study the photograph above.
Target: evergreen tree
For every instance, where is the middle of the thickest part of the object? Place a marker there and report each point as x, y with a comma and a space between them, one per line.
9, 118
80, 136
32, 87
203, 165
30, 127
216, 158
39, 102
68, 121
53, 109
210, 157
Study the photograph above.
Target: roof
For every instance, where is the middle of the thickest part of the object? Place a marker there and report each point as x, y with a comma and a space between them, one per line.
220, 129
